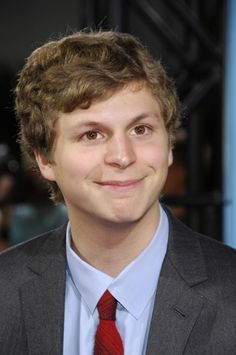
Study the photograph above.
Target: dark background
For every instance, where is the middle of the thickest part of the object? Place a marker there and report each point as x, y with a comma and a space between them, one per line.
188, 37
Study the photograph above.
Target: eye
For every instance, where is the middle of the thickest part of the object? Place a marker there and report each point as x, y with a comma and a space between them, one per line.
91, 136
140, 130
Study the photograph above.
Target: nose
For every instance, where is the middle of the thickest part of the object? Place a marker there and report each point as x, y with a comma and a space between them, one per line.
120, 152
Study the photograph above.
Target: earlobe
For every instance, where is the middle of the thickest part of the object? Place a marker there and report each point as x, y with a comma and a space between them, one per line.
170, 157
45, 167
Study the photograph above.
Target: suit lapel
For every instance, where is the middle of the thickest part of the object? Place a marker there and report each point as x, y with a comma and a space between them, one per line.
177, 305
43, 298
176, 309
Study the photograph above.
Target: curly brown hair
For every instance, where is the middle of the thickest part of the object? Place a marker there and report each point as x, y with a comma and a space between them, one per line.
73, 72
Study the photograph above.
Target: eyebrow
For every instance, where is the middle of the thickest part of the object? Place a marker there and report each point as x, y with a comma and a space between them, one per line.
144, 115
94, 124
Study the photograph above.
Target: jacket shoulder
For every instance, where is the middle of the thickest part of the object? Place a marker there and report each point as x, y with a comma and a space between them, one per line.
182, 234
19, 268
205, 263
14, 259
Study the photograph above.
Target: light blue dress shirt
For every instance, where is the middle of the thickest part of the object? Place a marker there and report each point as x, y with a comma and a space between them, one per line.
134, 288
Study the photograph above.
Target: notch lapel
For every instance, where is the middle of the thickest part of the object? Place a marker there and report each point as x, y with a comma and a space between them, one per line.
177, 305
43, 298
176, 309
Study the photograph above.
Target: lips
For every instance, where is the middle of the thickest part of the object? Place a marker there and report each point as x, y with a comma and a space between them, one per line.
119, 183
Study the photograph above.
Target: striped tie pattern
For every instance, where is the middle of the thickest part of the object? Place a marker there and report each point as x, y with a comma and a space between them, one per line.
107, 338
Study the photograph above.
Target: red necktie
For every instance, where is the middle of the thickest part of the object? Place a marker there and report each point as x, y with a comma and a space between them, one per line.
107, 338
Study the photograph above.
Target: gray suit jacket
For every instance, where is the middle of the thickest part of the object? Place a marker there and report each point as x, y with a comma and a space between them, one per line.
195, 306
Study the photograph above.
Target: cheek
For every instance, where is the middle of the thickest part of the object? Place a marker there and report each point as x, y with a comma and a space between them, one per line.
155, 155
84, 166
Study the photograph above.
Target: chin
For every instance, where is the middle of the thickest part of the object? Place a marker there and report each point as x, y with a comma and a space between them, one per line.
125, 219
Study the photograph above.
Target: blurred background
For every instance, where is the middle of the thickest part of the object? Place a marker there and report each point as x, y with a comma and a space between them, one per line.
194, 40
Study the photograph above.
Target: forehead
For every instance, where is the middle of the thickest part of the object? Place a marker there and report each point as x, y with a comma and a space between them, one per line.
125, 105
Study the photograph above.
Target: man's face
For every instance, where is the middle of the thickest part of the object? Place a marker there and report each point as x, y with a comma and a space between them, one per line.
110, 161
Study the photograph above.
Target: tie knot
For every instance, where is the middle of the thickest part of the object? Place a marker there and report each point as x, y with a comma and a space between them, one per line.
107, 306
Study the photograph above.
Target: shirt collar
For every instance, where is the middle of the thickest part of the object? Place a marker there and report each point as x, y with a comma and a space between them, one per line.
134, 286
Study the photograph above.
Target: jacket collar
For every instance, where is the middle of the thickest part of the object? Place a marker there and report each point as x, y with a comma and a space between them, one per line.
177, 305
42, 295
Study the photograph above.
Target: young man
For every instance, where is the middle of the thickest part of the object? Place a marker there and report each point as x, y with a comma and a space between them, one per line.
98, 117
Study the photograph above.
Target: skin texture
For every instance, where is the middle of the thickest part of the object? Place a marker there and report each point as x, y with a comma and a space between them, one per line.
110, 162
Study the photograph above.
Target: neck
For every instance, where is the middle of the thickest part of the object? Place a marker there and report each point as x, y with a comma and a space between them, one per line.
110, 247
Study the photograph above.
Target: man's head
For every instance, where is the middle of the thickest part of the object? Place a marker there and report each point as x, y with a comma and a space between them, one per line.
76, 71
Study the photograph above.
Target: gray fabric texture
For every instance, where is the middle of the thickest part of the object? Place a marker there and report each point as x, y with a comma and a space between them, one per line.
194, 311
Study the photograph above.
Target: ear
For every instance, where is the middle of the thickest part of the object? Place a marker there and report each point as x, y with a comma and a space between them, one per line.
45, 166
170, 157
